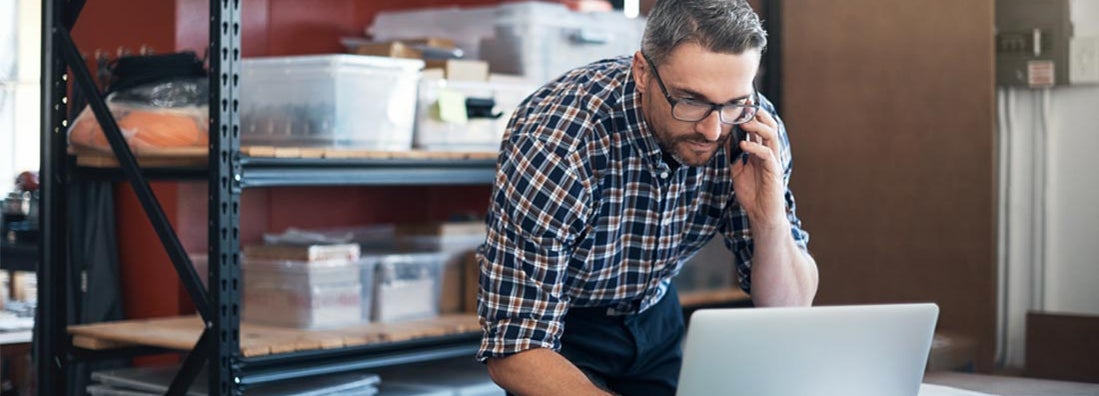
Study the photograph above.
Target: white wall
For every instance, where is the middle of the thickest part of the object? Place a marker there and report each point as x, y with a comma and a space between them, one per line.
20, 27
1072, 244
1050, 180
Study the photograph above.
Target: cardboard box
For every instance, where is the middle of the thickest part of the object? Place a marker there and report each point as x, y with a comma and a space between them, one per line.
451, 297
443, 229
471, 282
460, 69
392, 49
456, 241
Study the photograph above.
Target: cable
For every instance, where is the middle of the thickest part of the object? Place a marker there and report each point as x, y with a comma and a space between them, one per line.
1041, 191
1004, 224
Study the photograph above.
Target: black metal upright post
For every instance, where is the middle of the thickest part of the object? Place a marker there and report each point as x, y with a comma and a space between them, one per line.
225, 175
50, 337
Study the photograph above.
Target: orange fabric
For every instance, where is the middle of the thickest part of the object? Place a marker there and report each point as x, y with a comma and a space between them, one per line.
143, 129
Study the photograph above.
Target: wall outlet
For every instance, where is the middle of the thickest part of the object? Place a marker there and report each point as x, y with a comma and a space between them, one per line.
1084, 60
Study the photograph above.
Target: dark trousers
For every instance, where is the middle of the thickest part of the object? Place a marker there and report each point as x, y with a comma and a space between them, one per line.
629, 355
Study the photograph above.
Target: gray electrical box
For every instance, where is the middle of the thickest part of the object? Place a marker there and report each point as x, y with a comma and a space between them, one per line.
1032, 42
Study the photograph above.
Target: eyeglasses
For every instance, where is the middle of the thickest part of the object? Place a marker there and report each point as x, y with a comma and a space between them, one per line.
690, 110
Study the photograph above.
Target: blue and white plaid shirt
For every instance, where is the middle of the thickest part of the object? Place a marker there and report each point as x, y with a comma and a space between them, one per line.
585, 212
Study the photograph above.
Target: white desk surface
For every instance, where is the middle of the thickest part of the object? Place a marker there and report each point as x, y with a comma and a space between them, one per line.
15, 337
1011, 386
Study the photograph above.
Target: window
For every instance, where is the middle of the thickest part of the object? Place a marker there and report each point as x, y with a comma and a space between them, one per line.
20, 29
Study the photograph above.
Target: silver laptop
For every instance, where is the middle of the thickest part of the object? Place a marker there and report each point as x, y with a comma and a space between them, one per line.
867, 350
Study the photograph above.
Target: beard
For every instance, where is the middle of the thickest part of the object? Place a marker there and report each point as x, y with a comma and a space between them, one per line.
676, 147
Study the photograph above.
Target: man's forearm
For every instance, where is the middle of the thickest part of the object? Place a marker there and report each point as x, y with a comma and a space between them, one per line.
782, 273
540, 372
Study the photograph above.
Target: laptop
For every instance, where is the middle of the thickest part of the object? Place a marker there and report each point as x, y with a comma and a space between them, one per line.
867, 350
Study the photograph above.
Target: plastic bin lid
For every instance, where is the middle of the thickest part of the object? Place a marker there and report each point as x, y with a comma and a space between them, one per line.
337, 60
298, 266
405, 256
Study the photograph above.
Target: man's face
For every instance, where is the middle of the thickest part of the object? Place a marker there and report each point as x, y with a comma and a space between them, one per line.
693, 73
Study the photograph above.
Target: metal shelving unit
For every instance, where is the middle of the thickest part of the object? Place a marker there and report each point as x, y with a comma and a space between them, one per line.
288, 172
227, 172
275, 172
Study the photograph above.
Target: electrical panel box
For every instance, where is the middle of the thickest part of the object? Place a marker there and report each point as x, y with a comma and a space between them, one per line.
1036, 47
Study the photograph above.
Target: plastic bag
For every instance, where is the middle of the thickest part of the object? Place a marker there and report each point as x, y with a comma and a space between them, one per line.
168, 114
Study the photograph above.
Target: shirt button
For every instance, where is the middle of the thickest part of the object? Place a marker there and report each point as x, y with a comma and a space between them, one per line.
666, 222
663, 175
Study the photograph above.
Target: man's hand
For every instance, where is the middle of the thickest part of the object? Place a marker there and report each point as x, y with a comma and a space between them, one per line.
783, 274
541, 371
758, 183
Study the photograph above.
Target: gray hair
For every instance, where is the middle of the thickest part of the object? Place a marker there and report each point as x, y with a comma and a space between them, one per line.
723, 26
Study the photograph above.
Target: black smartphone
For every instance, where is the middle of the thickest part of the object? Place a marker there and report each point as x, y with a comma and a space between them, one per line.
735, 153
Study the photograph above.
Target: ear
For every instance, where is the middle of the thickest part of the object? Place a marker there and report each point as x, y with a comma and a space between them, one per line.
640, 71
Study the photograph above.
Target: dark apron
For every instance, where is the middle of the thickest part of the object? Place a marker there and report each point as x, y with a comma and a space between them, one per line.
629, 355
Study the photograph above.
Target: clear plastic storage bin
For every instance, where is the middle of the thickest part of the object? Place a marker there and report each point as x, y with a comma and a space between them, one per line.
478, 133
465, 25
540, 41
406, 285
302, 294
347, 101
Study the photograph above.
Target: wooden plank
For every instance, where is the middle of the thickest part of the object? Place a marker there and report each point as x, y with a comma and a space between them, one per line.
101, 160
169, 152
258, 151
313, 152
181, 333
711, 297
97, 344
951, 352
179, 156
287, 152
264, 340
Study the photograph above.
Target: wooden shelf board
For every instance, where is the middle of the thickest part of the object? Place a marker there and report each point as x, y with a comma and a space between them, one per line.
181, 333
196, 157
710, 297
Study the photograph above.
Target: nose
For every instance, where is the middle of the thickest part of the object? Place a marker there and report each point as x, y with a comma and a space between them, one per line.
709, 127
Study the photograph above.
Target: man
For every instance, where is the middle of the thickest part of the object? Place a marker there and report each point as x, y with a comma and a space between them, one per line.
613, 175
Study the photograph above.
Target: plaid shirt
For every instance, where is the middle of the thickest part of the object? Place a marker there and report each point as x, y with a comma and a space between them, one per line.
585, 212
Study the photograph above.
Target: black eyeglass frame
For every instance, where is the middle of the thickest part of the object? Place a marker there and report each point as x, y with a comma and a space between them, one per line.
754, 107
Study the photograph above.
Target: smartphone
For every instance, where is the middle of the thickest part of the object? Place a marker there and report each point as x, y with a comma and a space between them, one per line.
735, 153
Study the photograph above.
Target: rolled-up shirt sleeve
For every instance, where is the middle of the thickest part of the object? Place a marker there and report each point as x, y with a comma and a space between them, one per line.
539, 205
737, 230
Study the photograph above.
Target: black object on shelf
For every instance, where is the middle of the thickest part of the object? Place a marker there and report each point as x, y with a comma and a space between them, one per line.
20, 256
